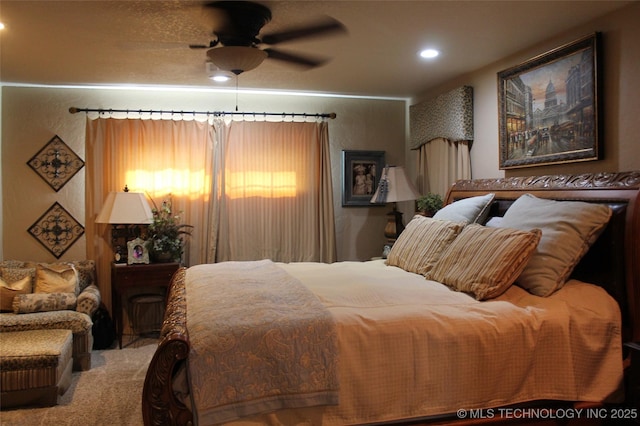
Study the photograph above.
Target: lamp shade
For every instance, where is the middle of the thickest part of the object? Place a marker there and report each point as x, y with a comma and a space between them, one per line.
236, 59
394, 186
125, 208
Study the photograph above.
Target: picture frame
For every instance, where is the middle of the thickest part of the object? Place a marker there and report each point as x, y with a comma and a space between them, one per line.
137, 251
549, 107
361, 175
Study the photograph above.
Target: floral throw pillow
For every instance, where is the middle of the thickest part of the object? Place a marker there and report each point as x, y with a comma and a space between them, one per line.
43, 302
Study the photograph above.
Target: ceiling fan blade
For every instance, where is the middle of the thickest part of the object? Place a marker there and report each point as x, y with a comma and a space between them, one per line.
301, 61
325, 27
216, 15
238, 21
150, 45
211, 44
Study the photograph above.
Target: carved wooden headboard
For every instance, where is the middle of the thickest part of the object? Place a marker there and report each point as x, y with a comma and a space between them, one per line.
613, 262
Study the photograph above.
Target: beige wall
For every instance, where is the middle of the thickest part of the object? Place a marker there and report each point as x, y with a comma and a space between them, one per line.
621, 99
33, 115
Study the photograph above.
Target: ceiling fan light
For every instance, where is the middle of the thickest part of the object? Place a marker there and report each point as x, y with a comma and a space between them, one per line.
220, 76
236, 59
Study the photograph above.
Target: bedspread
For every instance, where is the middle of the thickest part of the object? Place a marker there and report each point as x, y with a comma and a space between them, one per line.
410, 347
261, 341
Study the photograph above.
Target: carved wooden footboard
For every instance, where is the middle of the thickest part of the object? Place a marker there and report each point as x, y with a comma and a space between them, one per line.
159, 403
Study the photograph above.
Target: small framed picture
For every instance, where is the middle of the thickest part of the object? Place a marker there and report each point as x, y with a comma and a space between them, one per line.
362, 171
138, 251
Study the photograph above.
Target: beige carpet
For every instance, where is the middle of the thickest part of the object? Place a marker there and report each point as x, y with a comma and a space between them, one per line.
108, 394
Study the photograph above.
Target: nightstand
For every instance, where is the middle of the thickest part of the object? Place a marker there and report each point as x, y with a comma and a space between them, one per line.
125, 277
632, 397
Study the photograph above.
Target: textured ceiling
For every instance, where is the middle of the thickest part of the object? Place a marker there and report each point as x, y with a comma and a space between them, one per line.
145, 42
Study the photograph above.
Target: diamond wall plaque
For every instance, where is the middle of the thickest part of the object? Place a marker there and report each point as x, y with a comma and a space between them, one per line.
56, 230
56, 163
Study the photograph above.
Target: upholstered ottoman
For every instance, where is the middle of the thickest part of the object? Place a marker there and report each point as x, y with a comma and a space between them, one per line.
35, 366
79, 323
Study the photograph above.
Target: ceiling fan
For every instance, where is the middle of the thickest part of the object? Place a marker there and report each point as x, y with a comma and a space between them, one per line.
237, 31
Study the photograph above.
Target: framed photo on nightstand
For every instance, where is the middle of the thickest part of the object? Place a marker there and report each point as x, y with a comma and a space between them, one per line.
138, 251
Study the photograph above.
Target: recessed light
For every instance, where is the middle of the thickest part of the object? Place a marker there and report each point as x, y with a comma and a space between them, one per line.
429, 53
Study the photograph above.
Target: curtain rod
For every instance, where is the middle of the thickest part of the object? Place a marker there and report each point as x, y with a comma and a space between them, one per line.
332, 115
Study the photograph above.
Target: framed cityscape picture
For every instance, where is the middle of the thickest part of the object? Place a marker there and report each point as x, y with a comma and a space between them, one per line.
549, 107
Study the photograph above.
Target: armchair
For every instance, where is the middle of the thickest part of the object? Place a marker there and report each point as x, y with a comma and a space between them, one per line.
60, 295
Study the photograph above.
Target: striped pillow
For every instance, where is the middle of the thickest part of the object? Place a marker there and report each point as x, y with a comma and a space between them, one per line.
485, 261
422, 242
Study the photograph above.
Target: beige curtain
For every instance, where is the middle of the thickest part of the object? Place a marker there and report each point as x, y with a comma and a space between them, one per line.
273, 196
160, 157
441, 163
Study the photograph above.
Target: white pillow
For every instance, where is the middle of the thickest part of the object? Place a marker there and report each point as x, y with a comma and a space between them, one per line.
494, 222
569, 228
470, 210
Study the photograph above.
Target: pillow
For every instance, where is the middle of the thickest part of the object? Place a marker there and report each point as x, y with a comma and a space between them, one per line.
421, 243
569, 228
11, 274
9, 290
86, 273
485, 261
470, 210
12, 264
494, 222
56, 278
43, 302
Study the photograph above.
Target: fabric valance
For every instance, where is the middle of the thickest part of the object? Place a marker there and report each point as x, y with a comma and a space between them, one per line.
448, 116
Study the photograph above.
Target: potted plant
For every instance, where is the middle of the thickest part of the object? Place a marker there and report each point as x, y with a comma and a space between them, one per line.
167, 234
429, 204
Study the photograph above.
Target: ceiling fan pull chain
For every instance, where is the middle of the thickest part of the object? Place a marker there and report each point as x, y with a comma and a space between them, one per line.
237, 77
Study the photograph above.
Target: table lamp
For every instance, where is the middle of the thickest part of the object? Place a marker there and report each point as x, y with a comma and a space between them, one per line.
394, 186
122, 210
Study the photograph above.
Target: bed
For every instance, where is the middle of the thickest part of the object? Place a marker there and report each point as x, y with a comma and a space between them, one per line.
433, 334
